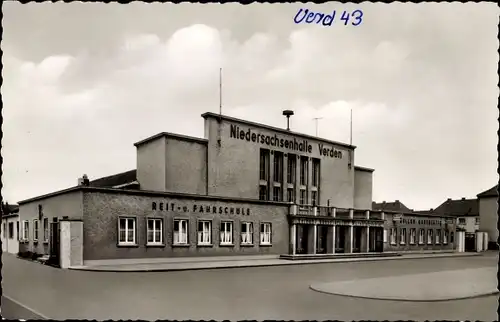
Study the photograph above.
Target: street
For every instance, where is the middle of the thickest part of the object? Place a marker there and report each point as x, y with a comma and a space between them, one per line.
279, 293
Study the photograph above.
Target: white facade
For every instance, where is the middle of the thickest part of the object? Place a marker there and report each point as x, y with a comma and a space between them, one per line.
10, 240
469, 223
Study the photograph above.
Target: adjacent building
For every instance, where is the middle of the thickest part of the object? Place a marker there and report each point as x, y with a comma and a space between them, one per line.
488, 213
10, 228
245, 188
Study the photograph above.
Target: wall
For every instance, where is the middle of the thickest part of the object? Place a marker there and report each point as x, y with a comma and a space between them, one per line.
151, 162
418, 222
186, 166
489, 217
363, 183
470, 224
68, 204
233, 168
102, 211
10, 245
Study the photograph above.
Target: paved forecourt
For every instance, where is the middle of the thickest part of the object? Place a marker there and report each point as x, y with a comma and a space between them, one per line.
435, 286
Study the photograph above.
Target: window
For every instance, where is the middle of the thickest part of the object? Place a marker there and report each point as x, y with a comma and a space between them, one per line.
290, 192
421, 236
402, 236
452, 237
291, 168
11, 230
438, 236
477, 220
264, 164
17, 230
26, 230
314, 196
265, 234
277, 193
180, 231
303, 170
445, 237
45, 229
461, 221
303, 197
429, 236
204, 232
226, 233
263, 192
393, 236
35, 229
155, 231
315, 174
278, 167
246, 233
126, 233
385, 235
413, 236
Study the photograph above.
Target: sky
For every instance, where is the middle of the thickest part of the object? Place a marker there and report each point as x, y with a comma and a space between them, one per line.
82, 82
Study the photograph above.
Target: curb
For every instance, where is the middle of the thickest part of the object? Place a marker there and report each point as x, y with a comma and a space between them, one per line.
406, 300
295, 262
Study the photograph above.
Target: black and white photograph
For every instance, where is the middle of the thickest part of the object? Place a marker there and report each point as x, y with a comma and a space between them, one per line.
263, 161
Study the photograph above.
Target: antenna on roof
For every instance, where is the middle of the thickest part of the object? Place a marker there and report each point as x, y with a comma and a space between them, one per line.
288, 113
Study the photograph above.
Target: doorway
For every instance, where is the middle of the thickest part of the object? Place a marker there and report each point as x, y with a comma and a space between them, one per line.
356, 239
322, 238
301, 238
340, 236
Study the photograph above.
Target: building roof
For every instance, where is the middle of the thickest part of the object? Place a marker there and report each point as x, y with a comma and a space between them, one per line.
275, 129
391, 206
460, 207
492, 192
9, 210
115, 180
171, 135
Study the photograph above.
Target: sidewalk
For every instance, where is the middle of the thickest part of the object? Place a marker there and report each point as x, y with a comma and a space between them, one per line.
177, 264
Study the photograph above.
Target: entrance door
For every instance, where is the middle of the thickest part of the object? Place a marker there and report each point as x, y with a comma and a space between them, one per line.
322, 238
356, 242
340, 232
470, 242
54, 242
301, 239
379, 238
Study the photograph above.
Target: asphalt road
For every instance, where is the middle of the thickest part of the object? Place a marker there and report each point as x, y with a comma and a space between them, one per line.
276, 293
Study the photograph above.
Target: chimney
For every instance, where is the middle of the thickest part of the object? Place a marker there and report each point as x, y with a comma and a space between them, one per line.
288, 113
432, 209
463, 198
85, 180
80, 181
397, 201
383, 202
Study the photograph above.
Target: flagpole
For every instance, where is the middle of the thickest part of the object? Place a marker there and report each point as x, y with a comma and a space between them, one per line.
220, 91
350, 139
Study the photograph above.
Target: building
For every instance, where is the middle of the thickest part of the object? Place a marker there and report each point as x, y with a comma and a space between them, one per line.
466, 212
10, 228
406, 230
245, 188
488, 213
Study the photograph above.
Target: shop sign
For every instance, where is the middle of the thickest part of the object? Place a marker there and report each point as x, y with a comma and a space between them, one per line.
199, 208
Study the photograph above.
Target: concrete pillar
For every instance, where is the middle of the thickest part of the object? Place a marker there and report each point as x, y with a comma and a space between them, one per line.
270, 180
382, 214
332, 235
71, 243
334, 214
351, 213
368, 214
293, 237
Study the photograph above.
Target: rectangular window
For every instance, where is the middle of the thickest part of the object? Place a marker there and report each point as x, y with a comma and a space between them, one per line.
452, 237
303, 170
26, 230
264, 164
35, 229
11, 230
314, 196
290, 192
127, 231
413, 236
155, 231
180, 231
445, 237
315, 174
303, 197
402, 236
17, 230
477, 220
421, 236
265, 234
45, 229
429, 236
291, 168
461, 221
385, 235
277, 193
246, 233
393, 236
278, 167
226, 233
438, 236
204, 232
263, 193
